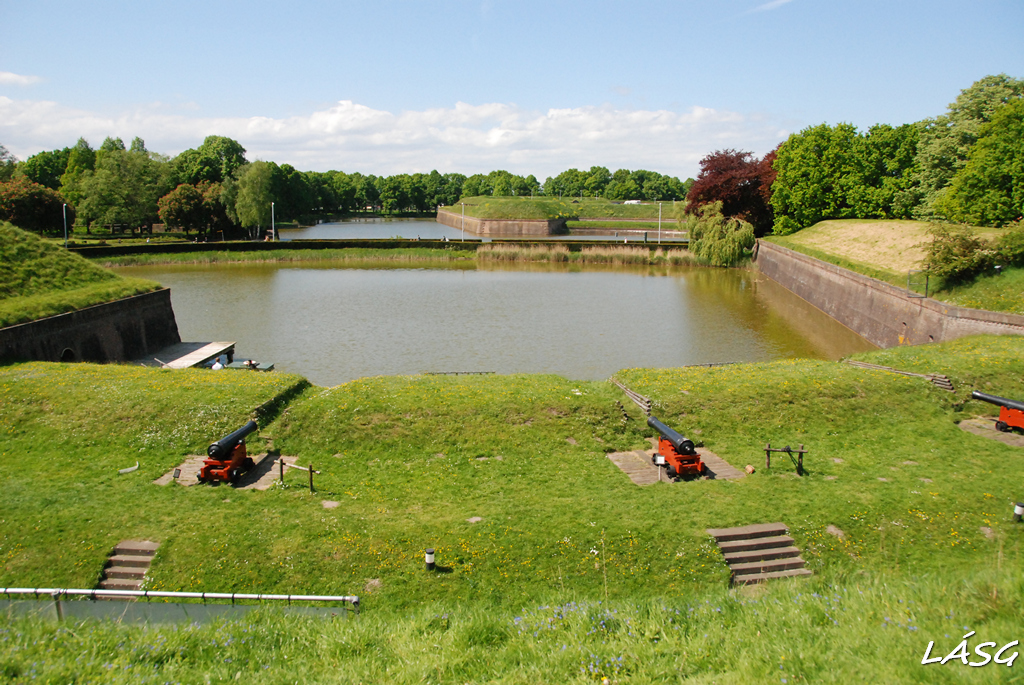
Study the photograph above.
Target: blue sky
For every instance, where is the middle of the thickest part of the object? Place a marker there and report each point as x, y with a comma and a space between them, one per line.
396, 86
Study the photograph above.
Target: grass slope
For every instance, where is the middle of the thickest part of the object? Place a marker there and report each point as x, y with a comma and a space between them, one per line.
39, 279
544, 208
573, 573
887, 250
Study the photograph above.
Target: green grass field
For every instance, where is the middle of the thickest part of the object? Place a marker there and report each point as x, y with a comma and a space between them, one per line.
572, 573
39, 279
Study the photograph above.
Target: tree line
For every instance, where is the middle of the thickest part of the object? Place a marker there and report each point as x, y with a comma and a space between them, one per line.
966, 165
214, 189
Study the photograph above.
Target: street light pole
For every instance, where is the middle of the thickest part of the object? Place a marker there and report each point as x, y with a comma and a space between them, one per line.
463, 221
65, 225
659, 223
273, 231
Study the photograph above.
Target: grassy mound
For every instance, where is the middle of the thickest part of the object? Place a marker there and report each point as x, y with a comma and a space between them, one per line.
887, 250
557, 565
547, 208
38, 279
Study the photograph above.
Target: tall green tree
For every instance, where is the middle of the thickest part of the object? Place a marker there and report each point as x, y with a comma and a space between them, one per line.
946, 140
989, 189
46, 168
253, 194
215, 161
123, 189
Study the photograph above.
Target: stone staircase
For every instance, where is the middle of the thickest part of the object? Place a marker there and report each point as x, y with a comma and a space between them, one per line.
127, 565
759, 552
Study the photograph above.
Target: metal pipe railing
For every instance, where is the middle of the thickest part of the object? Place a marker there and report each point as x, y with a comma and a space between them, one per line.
57, 593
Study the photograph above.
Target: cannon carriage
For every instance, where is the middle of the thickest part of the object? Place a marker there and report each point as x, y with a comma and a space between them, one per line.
675, 452
1011, 412
227, 458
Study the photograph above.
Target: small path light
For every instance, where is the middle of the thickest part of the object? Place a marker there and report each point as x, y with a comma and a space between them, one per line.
1018, 511
429, 558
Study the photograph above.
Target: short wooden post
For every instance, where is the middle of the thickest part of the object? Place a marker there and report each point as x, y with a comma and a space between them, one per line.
311, 478
768, 456
800, 461
280, 463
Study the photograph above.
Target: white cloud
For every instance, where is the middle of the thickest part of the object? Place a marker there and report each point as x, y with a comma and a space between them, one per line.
464, 138
774, 4
10, 79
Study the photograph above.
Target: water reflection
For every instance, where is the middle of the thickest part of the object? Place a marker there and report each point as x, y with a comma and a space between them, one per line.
335, 322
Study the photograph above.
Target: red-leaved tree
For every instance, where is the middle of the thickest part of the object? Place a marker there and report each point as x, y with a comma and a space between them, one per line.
741, 182
33, 207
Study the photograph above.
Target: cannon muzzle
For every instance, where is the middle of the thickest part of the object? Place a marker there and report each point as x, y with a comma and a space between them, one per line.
1000, 401
223, 448
683, 445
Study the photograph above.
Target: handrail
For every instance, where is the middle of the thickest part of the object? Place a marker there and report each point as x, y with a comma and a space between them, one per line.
58, 592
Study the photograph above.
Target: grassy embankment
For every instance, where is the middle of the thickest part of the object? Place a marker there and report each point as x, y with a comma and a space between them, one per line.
585, 213
38, 279
887, 250
347, 255
573, 573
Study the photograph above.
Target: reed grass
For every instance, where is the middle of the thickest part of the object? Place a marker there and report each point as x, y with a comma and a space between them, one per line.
598, 254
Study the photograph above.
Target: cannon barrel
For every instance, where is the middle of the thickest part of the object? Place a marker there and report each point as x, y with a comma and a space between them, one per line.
995, 399
683, 445
223, 448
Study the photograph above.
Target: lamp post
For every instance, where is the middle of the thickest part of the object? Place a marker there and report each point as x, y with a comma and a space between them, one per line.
273, 231
65, 225
659, 223
463, 221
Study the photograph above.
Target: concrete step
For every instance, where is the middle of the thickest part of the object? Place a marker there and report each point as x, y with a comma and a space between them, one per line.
761, 555
120, 584
756, 543
132, 560
142, 548
766, 566
125, 573
750, 579
757, 530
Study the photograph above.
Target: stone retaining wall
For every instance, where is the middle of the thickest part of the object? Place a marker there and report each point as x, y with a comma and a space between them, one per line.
117, 331
882, 313
500, 227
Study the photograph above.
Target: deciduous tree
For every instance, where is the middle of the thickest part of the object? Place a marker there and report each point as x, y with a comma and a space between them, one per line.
32, 206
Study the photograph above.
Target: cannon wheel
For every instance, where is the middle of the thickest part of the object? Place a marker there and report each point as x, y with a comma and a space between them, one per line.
671, 471
1002, 426
249, 463
233, 475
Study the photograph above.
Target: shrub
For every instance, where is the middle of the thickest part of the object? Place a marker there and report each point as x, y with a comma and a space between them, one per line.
956, 254
716, 240
1010, 248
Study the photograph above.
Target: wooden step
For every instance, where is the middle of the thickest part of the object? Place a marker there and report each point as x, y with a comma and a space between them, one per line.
766, 566
125, 573
761, 577
140, 548
757, 530
757, 543
761, 555
120, 584
133, 560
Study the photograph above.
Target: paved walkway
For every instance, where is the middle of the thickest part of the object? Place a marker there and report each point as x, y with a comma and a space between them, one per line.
642, 471
986, 428
259, 477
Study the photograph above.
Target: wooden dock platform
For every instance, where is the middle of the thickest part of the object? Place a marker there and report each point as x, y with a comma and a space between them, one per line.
187, 355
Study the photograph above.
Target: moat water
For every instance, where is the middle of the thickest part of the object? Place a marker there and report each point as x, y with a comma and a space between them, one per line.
333, 323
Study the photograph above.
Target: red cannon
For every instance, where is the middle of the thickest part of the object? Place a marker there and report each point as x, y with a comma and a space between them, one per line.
227, 457
675, 452
1011, 412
